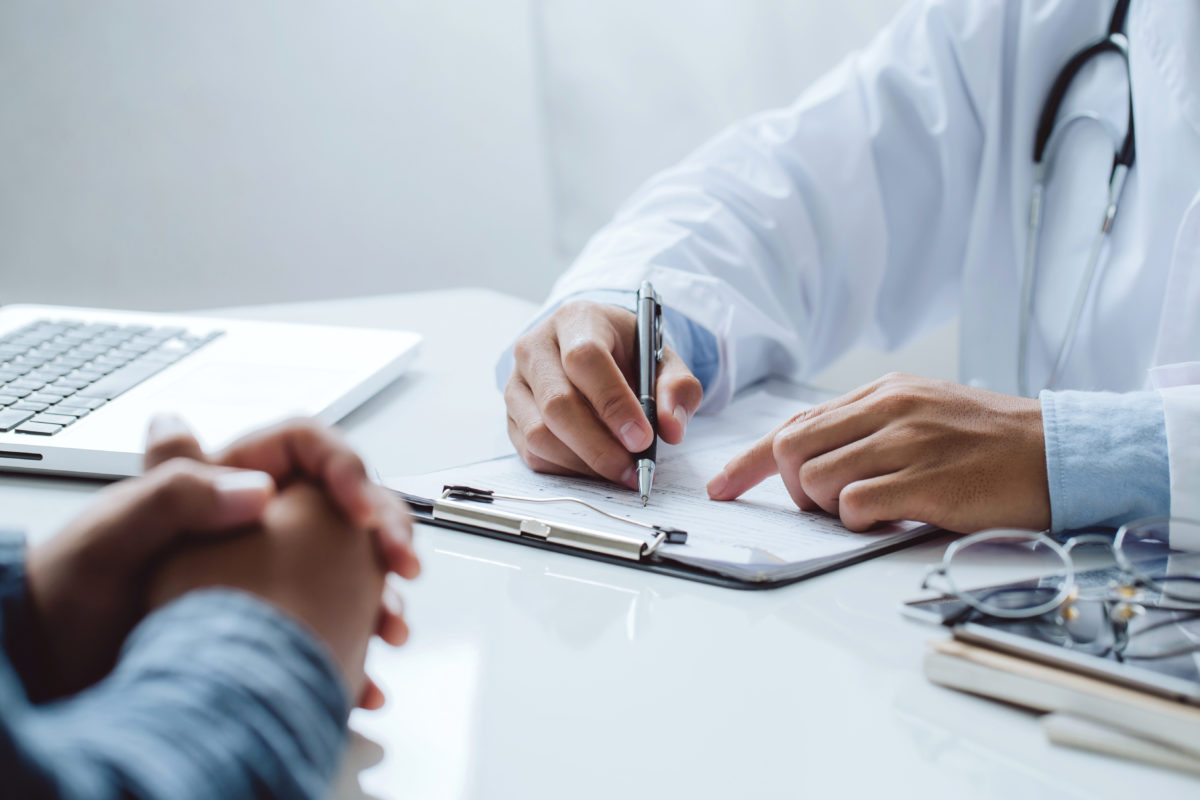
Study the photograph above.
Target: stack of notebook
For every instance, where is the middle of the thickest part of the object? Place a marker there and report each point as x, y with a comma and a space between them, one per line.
1081, 710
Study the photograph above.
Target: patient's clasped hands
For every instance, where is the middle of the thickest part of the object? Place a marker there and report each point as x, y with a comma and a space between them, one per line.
288, 515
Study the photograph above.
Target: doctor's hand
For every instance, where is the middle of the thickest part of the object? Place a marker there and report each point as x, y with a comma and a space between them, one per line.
907, 448
572, 405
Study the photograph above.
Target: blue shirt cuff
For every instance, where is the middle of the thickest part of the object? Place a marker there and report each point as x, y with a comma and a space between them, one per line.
1106, 457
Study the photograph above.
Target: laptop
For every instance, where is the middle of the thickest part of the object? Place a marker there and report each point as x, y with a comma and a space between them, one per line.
79, 386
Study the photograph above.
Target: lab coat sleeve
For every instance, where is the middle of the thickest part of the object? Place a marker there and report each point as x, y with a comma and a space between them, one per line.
1181, 405
839, 220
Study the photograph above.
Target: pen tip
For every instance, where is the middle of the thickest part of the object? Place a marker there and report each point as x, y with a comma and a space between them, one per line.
645, 500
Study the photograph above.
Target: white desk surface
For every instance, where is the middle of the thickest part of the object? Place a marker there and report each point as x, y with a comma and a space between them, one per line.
537, 675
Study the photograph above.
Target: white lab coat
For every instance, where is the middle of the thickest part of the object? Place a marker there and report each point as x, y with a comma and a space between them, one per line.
894, 194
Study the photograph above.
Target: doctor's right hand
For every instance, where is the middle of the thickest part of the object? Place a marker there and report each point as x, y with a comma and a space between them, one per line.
572, 407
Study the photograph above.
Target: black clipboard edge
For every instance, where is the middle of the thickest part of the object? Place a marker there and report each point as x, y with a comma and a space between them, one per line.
422, 511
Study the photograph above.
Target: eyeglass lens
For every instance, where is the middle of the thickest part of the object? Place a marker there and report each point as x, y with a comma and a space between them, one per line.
1164, 555
1008, 573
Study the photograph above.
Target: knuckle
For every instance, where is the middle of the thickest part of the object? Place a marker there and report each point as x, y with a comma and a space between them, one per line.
178, 485
812, 474
895, 378
582, 355
858, 500
538, 437
557, 402
512, 390
688, 389
515, 434
347, 462
573, 308
690, 385
784, 449
896, 401
305, 426
612, 406
523, 348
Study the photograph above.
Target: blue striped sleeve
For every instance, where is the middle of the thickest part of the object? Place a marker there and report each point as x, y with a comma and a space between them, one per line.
215, 695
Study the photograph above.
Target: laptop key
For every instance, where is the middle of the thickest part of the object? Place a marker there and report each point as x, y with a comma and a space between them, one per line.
68, 409
25, 405
12, 417
54, 419
39, 397
39, 429
90, 403
8, 399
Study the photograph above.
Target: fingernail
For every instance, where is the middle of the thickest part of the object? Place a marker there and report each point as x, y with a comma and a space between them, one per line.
717, 485
629, 478
241, 495
681, 416
632, 437
165, 426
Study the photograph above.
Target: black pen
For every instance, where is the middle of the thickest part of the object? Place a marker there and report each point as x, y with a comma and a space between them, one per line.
649, 348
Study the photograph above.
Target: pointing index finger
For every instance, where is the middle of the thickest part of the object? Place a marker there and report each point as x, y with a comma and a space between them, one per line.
746, 470
758, 463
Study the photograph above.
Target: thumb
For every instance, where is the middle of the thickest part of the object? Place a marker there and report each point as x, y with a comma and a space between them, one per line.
679, 395
181, 497
170, 437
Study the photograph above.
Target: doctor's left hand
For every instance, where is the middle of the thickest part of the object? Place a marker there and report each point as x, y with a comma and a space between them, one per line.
907, 448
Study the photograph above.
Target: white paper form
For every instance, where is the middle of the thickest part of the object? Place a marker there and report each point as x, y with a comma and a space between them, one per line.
760, 536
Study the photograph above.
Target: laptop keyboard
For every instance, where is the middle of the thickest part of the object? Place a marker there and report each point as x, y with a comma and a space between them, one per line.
52, 373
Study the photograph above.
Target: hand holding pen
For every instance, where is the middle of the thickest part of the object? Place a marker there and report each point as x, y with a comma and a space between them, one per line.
572, 397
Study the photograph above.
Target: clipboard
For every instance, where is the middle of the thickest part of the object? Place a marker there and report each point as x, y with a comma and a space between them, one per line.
615, 540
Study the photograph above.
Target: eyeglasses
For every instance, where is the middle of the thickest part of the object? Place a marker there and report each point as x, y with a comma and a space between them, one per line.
1095, 591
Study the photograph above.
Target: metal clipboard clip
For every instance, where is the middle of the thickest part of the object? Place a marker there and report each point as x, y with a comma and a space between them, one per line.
469, 506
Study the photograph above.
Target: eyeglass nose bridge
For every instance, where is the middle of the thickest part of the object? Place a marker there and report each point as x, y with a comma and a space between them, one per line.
1089, 539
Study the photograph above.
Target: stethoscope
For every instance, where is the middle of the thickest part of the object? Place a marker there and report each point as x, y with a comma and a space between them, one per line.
1050, 134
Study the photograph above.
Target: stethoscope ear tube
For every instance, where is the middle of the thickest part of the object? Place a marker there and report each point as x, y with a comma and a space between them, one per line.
1047, 141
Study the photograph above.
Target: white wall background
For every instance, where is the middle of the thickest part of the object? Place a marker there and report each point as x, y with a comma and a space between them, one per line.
180, 155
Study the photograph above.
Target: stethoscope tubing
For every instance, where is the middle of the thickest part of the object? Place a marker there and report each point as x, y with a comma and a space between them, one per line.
1050, 134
